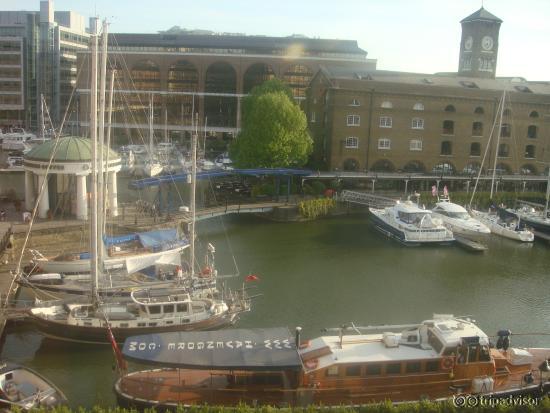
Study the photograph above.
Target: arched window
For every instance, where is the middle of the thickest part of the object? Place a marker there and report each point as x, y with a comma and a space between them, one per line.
414, 167
471, 168
503, 150
530, 151
351, 165
534, 114
450, 108
418, 106
479, 110
532, 131
386, 104
475, 149
297, 77
448, 127
477, 129
255, 75
446, 148
383, 165
503, 169
444, 168
220, 111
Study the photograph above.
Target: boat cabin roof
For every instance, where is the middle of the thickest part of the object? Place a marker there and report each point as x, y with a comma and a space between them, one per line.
450, 207
410, 207
268, 349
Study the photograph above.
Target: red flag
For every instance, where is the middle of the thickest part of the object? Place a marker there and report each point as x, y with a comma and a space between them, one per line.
120, 362
251, 277
434, 190
445, 191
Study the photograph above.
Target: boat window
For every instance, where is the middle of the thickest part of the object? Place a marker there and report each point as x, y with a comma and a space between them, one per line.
393, 368
459, 215
484, 354
142, 324
123, 325
449, 351
413, 367
432, 366
168, 308
181, 308
152, 324
332, 371
373, 369
354, 370
154, 309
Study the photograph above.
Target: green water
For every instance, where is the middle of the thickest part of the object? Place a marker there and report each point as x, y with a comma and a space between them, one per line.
329, 272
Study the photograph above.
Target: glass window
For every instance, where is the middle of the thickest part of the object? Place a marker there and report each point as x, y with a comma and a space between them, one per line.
355, 102
181, 308
418, 106
312, 117
373, 369
386, 104
332, 371
479, 110
534, 114
446, 148
352, 142
477, 129
417, 123
354, 120
415, 145
475, 149
168, 308
432, 366
412, 367
450, 108
393, 368
384, 143
154, 309
530, 151
448, 127
385, 121
354, 370
532, 131
503, 150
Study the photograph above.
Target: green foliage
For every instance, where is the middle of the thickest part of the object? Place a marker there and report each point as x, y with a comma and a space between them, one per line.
314, 208
263, 189
537, 406
274, 130
314, 188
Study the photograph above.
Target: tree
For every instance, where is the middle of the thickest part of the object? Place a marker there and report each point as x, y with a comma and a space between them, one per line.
274, 130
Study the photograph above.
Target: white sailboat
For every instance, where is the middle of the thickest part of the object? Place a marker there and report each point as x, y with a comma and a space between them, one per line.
152, 166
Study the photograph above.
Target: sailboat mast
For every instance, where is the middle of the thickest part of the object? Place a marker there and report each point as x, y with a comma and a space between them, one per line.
108, 145
547, 194
193, 196
42, 124
93, 138
499, 131
101, 139
151, 127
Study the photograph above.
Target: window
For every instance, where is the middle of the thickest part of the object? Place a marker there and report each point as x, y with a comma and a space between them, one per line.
386, 105
448, 127
534, 114
475, 149
181, 308
477, 129
523, 89
412, 367
479, 110
418, 106
507, 113
469, 84
393, 368
450, 108
532, 131
417, 123
352, 142
446, 148
312, 117
373, 369
353, 370
154, 309
505, 130
354, 120
168, 308
530, 151
332, 371
415, 145
503, 150
385, 121
432, 366
384, 143
355, 102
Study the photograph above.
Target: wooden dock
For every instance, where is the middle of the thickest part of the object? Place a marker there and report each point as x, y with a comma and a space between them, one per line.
469, 244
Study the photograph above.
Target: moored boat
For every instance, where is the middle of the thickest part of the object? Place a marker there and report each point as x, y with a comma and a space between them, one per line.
411, 225
458, 220
435, 359
510, 228
23, 388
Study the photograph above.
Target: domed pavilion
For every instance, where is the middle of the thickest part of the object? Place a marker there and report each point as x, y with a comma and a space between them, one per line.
67, 178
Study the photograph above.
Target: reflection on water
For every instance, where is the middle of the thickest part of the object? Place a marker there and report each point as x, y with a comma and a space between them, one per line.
329, 272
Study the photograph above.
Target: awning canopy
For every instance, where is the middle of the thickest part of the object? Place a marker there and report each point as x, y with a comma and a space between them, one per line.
156, 240
240, 349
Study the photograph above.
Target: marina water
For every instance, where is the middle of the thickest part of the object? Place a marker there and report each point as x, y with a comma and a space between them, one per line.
327, 273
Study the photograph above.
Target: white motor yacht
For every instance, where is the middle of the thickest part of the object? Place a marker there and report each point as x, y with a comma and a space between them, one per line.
411, 225
458, 220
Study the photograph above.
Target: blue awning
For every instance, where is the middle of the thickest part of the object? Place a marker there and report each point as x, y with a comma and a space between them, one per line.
160, 239
238, 349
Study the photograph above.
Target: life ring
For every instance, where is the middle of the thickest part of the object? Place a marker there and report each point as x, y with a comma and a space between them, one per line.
206, 271
447, 363
311, 364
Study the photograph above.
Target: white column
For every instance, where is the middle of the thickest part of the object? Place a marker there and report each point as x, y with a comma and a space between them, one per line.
29, 191
44, 203
81, 198
113, 202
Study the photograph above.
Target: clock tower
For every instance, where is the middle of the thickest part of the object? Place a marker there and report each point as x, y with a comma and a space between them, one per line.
479, 45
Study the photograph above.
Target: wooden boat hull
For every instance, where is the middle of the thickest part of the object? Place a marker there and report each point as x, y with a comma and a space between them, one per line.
59, 330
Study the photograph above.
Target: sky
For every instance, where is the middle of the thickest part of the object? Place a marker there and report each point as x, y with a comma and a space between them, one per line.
405, 35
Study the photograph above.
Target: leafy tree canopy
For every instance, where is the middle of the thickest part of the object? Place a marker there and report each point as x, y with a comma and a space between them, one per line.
274, 130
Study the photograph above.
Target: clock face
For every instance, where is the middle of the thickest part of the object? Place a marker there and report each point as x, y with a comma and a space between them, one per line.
468, 43
487, 43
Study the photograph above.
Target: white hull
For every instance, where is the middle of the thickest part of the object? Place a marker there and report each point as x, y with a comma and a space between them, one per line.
153, 169
502, 229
